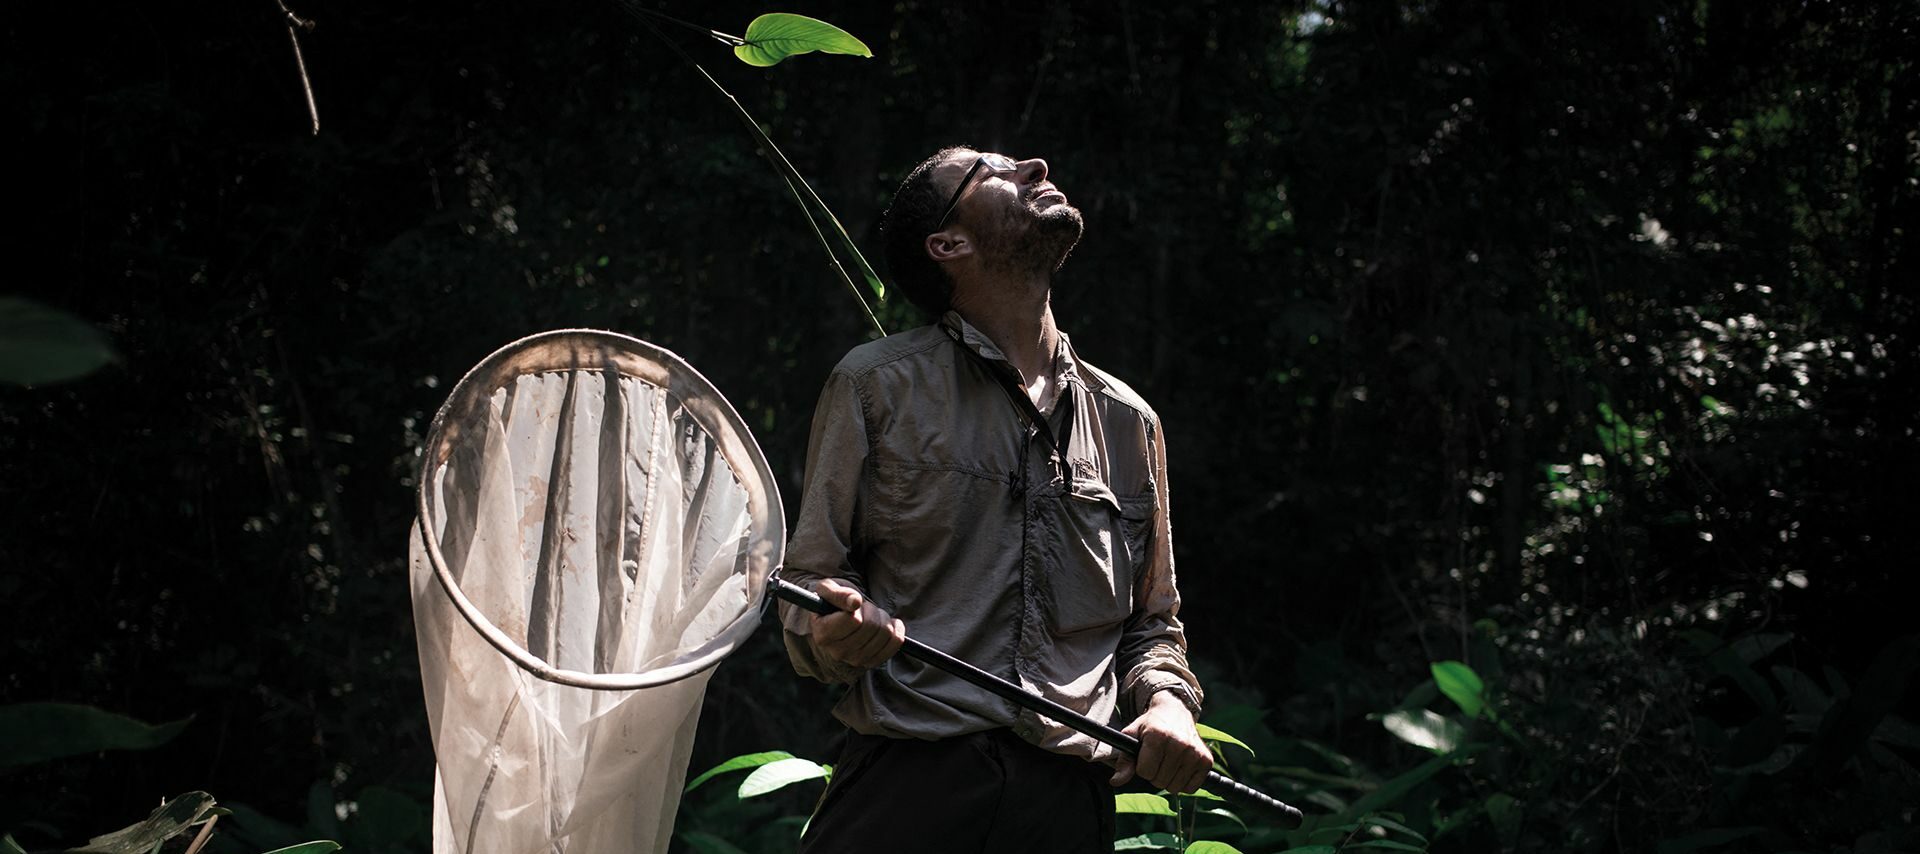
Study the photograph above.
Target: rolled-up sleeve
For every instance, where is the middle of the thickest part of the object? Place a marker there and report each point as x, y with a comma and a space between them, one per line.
826, 536
1153, 645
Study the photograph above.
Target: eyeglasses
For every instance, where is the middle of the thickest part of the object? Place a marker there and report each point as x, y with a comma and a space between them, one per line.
994, 163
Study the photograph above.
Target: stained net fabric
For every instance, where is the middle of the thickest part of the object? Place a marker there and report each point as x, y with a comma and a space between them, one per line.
595, 531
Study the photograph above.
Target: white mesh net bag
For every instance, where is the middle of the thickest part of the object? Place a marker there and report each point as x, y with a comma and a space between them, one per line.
595, 530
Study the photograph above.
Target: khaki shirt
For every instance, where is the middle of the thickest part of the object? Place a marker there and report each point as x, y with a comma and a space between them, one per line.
928, 489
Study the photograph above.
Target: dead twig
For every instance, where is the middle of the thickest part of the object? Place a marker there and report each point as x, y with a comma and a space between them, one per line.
200, 841
295, 24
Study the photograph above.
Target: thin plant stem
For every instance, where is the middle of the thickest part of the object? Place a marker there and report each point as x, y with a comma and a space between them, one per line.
724, 37
794, 180
835, 259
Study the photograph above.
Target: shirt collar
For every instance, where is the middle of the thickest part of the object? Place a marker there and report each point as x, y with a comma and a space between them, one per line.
1065, 365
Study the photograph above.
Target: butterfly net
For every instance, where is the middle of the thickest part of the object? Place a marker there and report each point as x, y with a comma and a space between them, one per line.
595, 531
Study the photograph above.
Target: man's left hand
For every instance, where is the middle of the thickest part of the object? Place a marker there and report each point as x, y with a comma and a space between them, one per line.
1172, 754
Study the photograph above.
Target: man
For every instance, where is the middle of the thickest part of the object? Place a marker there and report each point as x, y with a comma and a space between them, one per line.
974, 481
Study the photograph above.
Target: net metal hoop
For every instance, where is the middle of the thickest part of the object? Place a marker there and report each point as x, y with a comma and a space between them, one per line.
623, 355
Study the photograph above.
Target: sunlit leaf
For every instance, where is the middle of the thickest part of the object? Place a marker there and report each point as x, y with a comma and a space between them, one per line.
40, 345
738, 763
1226, 814
1141, 803
1208, 846
777, 35
1461, 685
1148, 842
36, 732
1211, 734
1424, 728
779, 774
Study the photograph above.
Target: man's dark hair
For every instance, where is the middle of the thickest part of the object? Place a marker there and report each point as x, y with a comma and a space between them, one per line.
914, 214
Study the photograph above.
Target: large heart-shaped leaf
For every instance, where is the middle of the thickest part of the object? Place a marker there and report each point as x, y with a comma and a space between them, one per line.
40, 345
777, 35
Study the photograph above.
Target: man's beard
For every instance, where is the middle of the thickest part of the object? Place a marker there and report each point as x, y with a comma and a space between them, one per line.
1042, 245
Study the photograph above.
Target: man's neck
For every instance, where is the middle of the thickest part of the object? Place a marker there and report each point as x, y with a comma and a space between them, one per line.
1020, 323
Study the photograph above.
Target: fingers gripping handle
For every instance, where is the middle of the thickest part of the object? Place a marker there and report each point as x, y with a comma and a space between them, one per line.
1231, 790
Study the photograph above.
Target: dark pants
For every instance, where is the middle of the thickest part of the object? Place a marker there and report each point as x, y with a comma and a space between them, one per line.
985, 792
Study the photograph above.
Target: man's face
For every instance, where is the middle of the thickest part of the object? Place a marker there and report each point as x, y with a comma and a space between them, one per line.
1022, 222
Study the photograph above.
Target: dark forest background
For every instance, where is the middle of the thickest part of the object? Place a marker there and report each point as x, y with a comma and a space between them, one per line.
1572, 342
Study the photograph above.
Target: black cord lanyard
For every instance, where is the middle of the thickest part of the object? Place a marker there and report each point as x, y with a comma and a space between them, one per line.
1023, 405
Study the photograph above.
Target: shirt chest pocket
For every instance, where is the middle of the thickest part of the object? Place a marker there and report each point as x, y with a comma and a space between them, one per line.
1093, 546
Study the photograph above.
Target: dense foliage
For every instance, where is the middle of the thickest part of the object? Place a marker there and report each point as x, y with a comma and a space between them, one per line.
1570, 343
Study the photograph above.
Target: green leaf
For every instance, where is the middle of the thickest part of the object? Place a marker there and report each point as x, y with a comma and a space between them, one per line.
1424, 728
777, 35
1298, 773
1148, 842
1208, 846
40, 345
1461, 685
169, 820
387, 816
1389, 824
1211, 734
1141, 803
318, 846
36, 732
706, 843
1504, 810
1393, 790
322, 808
737, 763
779, 774
1226, 814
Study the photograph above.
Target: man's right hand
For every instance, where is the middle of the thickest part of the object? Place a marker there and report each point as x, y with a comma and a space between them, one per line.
861, 634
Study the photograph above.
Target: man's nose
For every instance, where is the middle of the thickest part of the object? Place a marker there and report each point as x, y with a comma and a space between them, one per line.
1032, 170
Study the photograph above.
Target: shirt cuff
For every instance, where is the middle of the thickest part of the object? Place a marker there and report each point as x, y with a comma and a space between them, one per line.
1154, 681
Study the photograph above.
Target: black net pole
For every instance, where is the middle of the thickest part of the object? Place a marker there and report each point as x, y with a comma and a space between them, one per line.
1232, 790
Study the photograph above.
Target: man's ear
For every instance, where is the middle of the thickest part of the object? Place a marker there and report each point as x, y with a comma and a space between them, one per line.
950, 245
